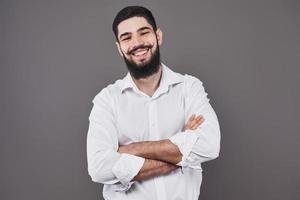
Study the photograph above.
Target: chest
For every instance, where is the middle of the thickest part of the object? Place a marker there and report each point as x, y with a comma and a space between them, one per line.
145, 119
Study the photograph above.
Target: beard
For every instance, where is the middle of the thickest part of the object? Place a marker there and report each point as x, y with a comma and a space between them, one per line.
144, 70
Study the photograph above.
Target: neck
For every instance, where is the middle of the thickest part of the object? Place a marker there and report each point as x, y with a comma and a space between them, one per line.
149, 84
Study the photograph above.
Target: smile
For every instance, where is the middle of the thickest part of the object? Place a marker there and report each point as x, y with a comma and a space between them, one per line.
140, 52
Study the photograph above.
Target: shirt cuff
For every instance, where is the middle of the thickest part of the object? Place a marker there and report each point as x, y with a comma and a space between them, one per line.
185, 142
125, 169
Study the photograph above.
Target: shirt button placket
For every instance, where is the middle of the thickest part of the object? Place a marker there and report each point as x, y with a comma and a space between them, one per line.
153, 134
151, 120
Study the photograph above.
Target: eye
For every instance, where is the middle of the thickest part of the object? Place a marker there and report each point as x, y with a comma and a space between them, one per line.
125, 39
145, 32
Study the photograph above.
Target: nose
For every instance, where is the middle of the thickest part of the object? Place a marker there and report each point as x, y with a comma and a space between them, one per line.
136, 41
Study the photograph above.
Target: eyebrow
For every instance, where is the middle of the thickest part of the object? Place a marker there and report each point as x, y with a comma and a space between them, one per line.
139, 30
144, 28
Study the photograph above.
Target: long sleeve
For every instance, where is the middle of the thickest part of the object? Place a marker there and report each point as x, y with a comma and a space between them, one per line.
202, 144
105, 164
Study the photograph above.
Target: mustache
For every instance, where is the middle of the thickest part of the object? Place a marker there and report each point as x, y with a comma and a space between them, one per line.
139, 47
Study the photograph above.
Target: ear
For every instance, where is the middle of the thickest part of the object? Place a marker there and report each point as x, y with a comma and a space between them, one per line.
119, 48
159, 35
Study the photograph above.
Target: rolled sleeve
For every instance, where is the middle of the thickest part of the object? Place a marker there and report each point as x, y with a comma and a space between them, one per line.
197, 146
185, 142
126, 168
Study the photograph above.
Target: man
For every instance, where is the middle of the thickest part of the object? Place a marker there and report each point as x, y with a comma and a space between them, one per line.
149, 132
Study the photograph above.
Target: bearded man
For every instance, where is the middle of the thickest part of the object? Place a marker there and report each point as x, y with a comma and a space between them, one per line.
150, 131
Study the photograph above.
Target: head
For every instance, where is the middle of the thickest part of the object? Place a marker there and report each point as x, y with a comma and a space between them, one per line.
138, 40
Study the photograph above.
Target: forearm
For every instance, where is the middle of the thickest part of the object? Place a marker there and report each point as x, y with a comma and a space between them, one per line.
153, 168
163, 150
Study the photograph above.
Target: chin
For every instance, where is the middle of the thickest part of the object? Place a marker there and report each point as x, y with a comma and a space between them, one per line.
142, 63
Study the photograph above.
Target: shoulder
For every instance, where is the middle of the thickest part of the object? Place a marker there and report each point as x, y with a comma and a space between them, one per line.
109, 93
193, 89
191, 81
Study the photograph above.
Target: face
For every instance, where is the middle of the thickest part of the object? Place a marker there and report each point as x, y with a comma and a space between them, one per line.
139, 44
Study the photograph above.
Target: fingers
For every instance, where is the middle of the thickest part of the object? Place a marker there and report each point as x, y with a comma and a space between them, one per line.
194, 122
191, 118
198, 121
189, 122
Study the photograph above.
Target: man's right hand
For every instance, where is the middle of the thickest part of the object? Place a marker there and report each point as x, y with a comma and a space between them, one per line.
194, 122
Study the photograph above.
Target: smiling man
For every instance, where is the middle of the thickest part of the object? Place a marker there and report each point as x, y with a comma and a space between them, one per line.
150, 131
140, 48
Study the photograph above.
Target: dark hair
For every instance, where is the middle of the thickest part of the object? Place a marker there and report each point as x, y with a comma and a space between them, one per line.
133, 11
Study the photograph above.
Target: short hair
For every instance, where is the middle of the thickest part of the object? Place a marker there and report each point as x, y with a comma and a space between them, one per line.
133, 11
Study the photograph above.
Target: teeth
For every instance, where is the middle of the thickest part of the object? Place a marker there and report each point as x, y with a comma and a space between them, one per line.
140, 52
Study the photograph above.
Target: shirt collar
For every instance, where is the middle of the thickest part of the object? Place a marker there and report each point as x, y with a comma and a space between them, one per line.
168, 78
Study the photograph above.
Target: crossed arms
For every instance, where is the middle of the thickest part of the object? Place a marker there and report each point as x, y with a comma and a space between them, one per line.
160, 156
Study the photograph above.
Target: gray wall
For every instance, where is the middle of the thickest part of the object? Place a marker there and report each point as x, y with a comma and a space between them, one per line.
56, 55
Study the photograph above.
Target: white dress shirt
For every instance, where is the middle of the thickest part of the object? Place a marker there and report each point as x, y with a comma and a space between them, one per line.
122, 114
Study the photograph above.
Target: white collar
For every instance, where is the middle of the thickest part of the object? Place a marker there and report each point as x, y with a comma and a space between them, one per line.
168, 78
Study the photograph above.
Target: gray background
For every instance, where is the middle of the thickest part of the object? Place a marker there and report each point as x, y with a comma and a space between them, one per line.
57, 55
